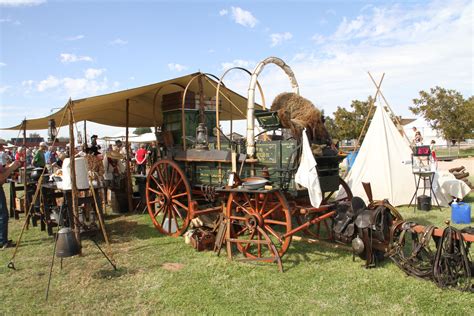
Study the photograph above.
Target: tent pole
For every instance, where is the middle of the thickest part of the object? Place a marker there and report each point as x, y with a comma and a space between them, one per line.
25, 202
72, 168
85, 133
127, 147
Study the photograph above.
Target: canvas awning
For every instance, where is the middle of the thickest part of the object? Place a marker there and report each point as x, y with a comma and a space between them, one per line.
110, 109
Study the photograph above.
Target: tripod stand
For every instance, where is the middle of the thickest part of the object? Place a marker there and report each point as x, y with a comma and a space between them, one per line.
87, 232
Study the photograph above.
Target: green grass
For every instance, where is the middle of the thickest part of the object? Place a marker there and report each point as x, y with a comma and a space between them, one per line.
463, 152
319, 278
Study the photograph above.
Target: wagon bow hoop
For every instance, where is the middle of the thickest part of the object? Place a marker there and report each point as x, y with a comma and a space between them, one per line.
251, 97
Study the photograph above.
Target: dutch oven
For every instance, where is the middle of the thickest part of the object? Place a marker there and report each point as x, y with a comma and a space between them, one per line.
36, 174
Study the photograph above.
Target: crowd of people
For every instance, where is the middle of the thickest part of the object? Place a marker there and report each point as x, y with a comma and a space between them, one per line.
107, 166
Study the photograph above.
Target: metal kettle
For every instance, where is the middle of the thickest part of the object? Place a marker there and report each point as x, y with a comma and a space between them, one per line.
67, 245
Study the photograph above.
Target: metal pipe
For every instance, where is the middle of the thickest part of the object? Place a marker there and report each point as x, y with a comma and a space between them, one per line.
251, 97
72, 168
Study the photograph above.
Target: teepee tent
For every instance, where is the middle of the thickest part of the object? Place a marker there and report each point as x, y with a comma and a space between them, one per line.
384, 160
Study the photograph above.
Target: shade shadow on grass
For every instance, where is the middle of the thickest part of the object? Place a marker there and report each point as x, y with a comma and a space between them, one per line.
128, 229
111, 273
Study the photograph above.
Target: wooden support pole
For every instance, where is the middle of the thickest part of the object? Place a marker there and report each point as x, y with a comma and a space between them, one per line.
127, 147
85, 133
25, 198
72, 167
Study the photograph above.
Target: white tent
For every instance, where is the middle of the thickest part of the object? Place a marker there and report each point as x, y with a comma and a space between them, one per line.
384, 160
427, 132
144, 138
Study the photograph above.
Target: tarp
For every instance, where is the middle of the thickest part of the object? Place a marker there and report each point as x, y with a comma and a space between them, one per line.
110, 109
384, 160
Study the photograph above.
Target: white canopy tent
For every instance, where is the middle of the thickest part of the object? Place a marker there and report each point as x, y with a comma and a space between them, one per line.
384, 160
144, 138
427, 132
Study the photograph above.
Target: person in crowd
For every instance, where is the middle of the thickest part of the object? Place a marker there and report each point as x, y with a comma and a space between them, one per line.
39, 159
114, 170
51, 158
432, 149
153, 154
21, 156
418, 140
140, 159
29, 157
5, 172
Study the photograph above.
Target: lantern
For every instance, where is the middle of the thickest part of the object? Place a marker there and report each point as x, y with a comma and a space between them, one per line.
201, 137
52, 132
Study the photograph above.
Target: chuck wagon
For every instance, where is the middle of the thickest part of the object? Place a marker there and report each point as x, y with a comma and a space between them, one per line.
201, 175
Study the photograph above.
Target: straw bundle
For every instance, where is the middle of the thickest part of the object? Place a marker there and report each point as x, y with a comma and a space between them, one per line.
297, 113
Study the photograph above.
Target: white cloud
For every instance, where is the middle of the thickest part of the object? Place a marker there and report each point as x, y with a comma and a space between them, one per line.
48, 83
223, 12
417, 48
4, 88
71, 58
118, 41
2, 64
18, 3
9, 21
237, 63
93, 73
176, 67
75, 38
279, 38
243, 17
92, 83
318, 38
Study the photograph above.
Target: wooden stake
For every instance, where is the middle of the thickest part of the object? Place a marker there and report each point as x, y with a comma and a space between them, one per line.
85, 133
127, 147
72, 167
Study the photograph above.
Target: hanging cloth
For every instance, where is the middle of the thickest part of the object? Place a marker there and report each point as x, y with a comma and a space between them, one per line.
307, 175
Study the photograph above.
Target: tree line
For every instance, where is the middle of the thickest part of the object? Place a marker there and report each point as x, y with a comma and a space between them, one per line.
446, 110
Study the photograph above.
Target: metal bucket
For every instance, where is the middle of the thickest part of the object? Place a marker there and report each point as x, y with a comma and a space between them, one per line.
424, 203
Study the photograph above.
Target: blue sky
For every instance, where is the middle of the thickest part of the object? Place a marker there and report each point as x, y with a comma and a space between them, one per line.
53, 50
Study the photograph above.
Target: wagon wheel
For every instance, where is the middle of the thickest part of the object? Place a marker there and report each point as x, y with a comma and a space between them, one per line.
315, 230
168, 196
270, 212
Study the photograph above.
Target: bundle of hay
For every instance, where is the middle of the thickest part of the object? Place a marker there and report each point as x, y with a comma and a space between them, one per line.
297, 113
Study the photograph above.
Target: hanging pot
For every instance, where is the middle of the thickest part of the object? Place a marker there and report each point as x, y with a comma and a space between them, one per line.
67, 245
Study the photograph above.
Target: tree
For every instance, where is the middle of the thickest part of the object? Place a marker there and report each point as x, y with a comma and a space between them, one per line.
447, 112
34, 135
141, 130
349, 124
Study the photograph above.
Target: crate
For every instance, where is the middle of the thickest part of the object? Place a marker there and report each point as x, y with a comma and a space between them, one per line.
173, 101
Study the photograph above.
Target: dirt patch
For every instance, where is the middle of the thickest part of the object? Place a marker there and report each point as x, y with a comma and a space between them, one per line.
468, 163
172, 266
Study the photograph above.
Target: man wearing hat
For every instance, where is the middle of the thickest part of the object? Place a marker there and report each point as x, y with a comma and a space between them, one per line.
39, 159
114, 168
4, 173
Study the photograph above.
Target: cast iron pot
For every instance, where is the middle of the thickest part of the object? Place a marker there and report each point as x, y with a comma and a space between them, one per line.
36, 174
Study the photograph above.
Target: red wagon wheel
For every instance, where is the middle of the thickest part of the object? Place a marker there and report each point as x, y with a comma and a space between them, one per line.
270, 212
328, 197
168, 196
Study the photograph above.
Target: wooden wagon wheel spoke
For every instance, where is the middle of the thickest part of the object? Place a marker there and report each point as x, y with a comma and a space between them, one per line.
258, 228
264, 203
175, 209
179, 195
273, 232
158, 211
270, 211
180, 204
275, 222
176, 186
240, 232
168, 188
